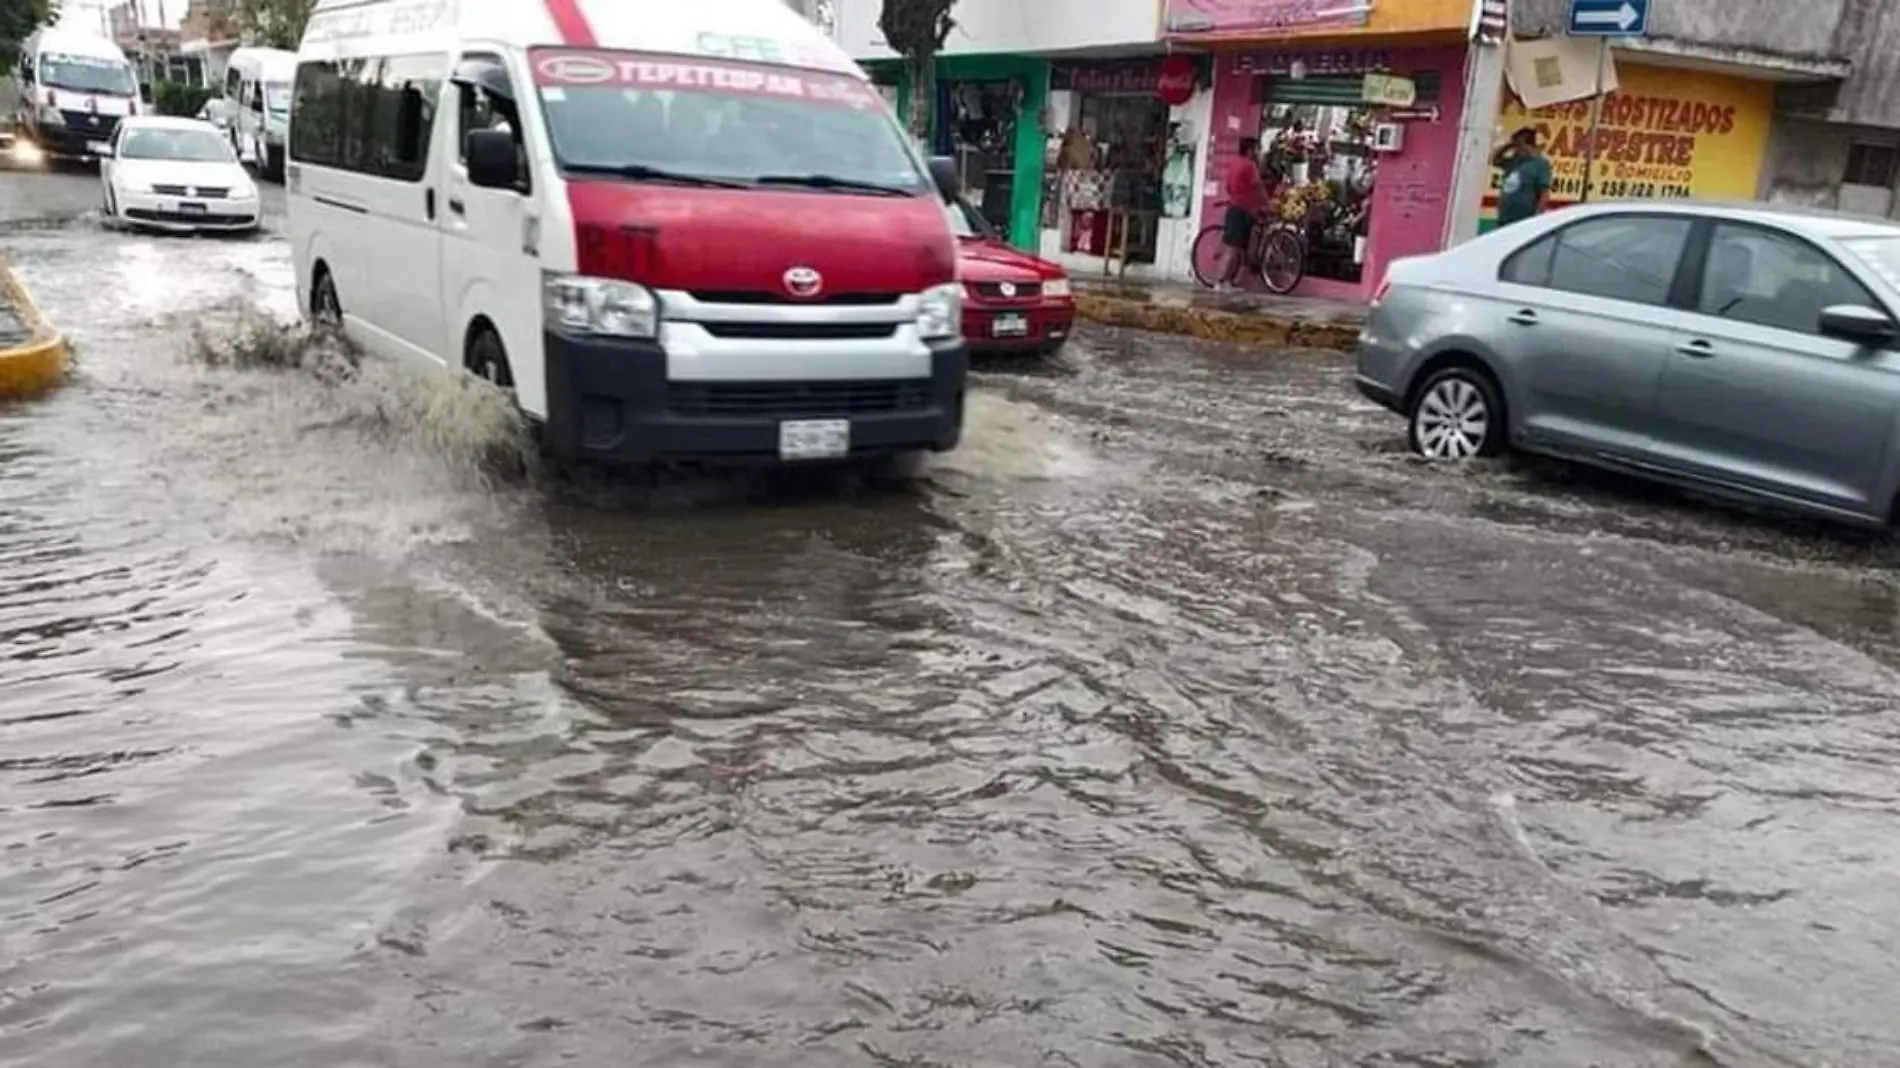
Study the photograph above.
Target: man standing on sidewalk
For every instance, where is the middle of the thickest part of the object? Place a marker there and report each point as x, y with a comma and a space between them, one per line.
1246, 200
1525, 188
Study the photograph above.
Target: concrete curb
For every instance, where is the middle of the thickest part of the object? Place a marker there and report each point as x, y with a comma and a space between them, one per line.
1214, 324
39, 363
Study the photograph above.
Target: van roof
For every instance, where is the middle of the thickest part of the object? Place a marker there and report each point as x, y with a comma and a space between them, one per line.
764, 31
74, 43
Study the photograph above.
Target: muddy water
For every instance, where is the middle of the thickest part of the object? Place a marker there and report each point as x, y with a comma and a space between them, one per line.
1176, 720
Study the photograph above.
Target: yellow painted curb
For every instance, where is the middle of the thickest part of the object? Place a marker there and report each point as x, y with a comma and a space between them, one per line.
1214, 324
38, 364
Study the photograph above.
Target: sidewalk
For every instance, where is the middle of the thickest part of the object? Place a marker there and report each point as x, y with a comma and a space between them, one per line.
1250, 318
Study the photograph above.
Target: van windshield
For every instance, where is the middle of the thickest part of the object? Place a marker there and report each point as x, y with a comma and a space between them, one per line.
674, 118
87, 74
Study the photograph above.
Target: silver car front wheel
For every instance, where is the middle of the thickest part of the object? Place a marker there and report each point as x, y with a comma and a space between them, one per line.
1457, 416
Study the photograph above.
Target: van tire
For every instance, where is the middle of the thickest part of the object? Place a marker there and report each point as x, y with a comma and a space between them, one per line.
488, 359
326, 310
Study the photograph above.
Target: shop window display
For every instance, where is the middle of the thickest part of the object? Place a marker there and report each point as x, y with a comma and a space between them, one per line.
1319, 164
1110, 166
980, 134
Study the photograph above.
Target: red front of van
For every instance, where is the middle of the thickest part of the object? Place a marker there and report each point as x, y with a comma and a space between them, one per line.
762, 268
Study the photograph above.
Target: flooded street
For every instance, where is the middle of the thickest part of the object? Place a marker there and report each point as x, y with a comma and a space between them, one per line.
1178, 719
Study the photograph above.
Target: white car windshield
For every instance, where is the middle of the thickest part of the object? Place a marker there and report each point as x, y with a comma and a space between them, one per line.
277, 96
670, 118
186, 146
87, 74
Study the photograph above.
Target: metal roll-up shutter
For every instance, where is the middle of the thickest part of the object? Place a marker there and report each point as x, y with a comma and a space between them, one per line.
1345, 90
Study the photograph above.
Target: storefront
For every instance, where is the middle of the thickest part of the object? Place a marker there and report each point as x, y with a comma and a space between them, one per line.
1359, 142
1122, 163
987, 115
1665, 132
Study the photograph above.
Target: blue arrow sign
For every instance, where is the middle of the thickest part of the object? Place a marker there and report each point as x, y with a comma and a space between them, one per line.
1609, 18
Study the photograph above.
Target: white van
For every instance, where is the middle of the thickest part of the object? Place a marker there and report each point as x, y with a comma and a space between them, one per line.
257, 85
686, 230
74, 89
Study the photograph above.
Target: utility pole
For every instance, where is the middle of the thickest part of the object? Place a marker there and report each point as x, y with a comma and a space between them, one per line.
1596, 118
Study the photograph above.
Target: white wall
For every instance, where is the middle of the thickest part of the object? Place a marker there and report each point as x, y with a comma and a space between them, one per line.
1005, 26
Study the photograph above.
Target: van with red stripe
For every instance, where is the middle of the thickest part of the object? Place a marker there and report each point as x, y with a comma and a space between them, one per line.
674, 231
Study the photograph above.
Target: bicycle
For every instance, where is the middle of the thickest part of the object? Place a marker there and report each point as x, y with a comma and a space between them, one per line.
1276, 251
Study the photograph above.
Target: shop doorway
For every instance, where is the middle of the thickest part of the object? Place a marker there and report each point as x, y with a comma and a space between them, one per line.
978, 130
1110, 165
1317, 142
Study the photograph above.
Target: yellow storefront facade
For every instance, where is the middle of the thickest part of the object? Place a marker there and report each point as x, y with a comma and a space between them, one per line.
1665, 132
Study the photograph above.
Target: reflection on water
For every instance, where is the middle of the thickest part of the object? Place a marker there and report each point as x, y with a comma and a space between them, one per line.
1173, 721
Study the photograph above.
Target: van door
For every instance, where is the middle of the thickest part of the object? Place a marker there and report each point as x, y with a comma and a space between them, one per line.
491, 237
404, 94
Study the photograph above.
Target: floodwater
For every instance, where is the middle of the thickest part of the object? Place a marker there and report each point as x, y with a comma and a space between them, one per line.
1179, 719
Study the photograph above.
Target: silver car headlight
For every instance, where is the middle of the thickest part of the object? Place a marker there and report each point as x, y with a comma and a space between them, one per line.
577, 304
940, 313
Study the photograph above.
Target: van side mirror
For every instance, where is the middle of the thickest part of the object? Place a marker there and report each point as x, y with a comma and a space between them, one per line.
943, 171
492, 160
1860, 324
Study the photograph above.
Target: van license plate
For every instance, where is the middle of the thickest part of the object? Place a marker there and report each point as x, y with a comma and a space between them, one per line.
1010, 326
814, 439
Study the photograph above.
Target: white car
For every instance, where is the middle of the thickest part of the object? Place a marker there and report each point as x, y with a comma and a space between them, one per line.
179, 175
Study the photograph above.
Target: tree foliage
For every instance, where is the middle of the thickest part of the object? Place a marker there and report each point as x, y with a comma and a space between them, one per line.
18, 20
272, 23
916, 30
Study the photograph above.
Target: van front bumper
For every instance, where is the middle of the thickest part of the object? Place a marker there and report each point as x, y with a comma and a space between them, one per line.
609, 399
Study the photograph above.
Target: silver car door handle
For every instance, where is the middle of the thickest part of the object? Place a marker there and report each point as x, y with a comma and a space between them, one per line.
1526, 317
1701, 350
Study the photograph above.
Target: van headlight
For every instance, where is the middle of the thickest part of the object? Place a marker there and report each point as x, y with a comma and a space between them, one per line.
577, 304
940, 313
50, 116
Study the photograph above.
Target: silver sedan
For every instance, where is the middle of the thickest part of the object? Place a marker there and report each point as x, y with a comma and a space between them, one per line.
1750, 351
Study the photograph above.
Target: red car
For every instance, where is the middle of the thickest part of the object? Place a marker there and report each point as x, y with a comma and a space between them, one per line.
1012, 302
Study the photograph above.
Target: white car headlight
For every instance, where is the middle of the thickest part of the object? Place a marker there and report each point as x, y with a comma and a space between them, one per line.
1057, 287
577, 304
940, 313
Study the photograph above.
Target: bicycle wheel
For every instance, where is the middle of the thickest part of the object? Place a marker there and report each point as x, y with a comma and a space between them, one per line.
1205, 261
1283, 261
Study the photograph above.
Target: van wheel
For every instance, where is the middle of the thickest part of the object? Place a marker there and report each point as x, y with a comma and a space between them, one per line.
488, 360
325, 309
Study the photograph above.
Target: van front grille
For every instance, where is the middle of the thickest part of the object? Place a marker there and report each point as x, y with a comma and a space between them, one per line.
790, 400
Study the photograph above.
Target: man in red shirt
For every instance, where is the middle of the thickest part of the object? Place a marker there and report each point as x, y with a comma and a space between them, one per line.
1246, 200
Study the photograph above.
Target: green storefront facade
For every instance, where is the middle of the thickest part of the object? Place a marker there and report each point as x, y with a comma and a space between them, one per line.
1032, 75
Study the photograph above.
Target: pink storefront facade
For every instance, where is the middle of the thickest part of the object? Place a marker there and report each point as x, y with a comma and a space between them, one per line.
1412, 185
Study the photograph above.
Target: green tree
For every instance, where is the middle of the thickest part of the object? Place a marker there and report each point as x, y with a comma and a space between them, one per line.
18, 20
916, 30
272, 23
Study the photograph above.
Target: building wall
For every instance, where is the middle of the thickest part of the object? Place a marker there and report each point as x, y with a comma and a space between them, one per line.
1006, 26
1666, 132
1412, 191
1796, 28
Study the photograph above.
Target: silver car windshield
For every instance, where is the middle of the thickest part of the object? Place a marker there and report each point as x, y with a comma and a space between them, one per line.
1881, 254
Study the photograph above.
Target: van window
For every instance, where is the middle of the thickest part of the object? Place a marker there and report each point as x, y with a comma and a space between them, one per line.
87, 74
608, 111
369, 116
234, 84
